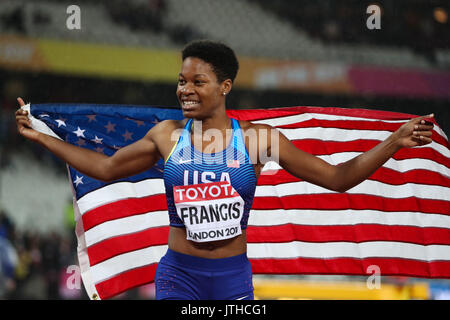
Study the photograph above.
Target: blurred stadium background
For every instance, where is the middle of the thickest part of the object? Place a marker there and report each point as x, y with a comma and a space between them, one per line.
317, 53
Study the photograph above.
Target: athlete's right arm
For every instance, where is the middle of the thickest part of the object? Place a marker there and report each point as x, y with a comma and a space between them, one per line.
132, 159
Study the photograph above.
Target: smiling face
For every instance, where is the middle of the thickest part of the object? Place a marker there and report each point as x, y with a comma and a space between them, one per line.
199, 92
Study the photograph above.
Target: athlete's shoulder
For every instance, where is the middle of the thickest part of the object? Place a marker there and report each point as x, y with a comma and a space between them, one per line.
166, 127
170, 124
258, 136
249, 126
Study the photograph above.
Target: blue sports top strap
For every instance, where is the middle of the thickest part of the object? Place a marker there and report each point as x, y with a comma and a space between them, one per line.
237, 138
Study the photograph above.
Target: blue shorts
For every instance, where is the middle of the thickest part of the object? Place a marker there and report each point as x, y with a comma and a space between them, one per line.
184, 277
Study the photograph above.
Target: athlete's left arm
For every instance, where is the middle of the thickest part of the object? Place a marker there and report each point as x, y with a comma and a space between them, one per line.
341, 177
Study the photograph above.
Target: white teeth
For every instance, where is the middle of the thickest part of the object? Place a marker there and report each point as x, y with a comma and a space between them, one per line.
190, 103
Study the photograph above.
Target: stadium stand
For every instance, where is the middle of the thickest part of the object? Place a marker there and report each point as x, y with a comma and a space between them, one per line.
254, 28
414, 36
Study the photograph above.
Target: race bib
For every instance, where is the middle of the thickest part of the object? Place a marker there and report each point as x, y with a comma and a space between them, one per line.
210, 211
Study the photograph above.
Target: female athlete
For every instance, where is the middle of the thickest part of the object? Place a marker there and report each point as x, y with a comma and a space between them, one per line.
212, 164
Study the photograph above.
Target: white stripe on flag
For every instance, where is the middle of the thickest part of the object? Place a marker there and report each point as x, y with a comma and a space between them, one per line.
347, 217
334, 134
127, 225
127, 261
329, 250
397, 165
368, 187
287, 120
120, 191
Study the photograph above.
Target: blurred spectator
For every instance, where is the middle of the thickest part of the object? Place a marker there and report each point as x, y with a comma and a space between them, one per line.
183, 34
51, 263
139, 15
14, 20
8, 257
34, 266
9, 139
420, 25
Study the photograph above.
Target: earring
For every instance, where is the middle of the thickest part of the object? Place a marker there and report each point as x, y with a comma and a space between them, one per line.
224, 93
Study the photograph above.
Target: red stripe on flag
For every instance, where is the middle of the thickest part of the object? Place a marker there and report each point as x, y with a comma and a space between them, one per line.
112, 247
320, 147
357, 125
126, 280
347, 233
123, 208
344, 124
272, 113
340, 201
352, 266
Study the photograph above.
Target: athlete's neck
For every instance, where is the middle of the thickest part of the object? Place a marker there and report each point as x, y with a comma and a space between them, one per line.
222, 123
211, 133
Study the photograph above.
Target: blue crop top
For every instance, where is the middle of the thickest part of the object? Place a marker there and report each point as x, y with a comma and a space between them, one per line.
187, 166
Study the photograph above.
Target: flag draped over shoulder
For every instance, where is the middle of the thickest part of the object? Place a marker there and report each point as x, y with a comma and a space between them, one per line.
398, 219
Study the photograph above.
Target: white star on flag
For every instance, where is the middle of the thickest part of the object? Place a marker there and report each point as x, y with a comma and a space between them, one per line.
79, 132
97, 140
60, 123
78, 180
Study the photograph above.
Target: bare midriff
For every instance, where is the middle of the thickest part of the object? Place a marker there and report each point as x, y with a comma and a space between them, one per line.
211, 250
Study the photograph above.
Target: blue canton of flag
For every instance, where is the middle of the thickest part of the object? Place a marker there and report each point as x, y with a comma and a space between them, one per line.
104, 129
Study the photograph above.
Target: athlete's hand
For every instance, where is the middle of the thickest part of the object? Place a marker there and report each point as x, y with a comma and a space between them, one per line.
416, 132
24, 124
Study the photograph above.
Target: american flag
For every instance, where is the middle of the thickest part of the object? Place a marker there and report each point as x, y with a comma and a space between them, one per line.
397, 220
